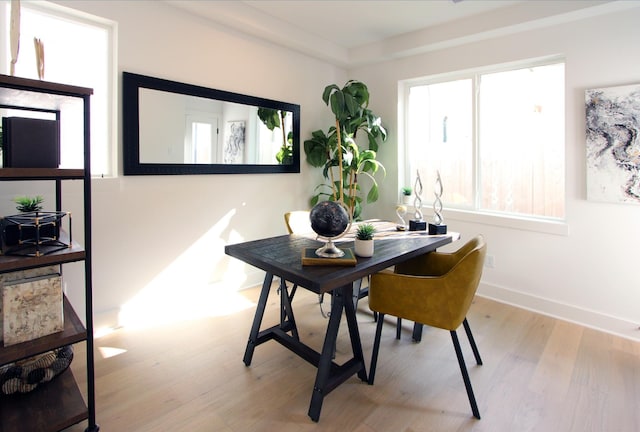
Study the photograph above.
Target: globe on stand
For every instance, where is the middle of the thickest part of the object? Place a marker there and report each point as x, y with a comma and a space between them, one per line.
330, 220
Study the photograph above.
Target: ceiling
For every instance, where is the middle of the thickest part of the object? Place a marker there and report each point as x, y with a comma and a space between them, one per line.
351, 33
354, 23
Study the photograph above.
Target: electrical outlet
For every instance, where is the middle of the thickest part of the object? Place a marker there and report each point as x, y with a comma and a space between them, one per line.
490, 262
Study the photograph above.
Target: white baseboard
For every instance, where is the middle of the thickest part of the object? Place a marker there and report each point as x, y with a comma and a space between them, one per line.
627, 329
566, 312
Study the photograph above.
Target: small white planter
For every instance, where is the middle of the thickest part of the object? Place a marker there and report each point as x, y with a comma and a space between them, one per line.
364, 248
407, 199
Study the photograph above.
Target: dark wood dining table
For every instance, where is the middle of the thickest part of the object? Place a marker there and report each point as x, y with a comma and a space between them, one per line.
282, 257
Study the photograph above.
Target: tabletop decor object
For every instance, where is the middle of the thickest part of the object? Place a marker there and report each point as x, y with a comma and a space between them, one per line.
418, 223
401, 211
39, 47
438, 227
33, 233
14, 34
30, 143
28, 374
406, 191
31, 304
364, 240
330, 220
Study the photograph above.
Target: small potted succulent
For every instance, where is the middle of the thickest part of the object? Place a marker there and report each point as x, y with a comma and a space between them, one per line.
27, 204
406, 194
364, 240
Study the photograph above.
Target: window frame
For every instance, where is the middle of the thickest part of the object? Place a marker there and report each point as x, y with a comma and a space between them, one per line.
550, 225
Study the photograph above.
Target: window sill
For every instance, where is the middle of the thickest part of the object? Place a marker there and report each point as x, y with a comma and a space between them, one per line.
505, 221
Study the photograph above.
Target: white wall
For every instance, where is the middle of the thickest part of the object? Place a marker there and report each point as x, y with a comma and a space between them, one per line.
589, 275
159, 240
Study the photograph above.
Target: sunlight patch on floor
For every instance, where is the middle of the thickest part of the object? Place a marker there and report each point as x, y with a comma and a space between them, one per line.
107, 352
192, 303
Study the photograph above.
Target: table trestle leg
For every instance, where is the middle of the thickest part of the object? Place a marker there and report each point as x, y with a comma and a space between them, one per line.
329, 375
287, 320
257, 319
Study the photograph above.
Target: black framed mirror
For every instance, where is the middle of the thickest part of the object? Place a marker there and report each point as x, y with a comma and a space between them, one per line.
171, 128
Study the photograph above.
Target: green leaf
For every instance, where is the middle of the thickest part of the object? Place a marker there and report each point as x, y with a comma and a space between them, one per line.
317, 149
372, 196
359, 91
338, 106
373, 142
351, 105
327, 92
270, 117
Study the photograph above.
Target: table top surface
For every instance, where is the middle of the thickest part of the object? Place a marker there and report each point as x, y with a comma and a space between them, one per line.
282, 256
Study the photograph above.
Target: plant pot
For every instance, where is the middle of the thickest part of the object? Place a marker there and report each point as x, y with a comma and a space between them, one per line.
407, 199
364, 248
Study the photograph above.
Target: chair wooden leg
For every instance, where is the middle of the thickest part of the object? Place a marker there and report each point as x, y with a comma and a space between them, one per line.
465, 374
472, 342
376, 348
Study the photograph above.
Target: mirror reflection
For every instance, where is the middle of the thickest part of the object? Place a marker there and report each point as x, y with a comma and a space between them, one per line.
198, 130
176, 128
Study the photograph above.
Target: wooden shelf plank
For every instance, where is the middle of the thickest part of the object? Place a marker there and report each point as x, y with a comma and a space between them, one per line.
41, 174
54, 406
32, 85
74, 331
74, 253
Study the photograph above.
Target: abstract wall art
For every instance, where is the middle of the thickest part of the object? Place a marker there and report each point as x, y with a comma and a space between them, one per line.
234, 142
613, 144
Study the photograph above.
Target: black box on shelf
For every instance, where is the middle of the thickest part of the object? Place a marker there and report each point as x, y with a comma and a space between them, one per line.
30, 143
33, 233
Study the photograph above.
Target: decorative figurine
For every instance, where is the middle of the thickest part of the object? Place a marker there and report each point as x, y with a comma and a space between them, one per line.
417, 224
14, 34
401, 211
39, 47
438, 227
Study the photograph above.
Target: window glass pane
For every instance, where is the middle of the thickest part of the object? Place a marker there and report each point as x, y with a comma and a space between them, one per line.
496, 138
440, 138
521, 141
76, 52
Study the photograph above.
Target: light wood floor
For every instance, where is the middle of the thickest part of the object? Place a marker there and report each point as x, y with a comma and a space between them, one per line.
539, 374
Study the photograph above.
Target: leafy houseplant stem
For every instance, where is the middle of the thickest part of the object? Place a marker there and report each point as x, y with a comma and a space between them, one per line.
338, 149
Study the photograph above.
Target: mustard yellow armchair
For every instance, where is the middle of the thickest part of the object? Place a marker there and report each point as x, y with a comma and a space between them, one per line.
297, 221
435, 289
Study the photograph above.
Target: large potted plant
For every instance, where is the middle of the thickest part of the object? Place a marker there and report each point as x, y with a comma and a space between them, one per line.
338, 153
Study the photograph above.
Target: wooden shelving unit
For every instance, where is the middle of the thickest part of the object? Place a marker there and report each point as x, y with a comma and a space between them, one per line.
59, 403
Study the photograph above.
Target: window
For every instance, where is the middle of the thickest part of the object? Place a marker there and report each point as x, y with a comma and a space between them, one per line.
78, 50
201, 140
496, 137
